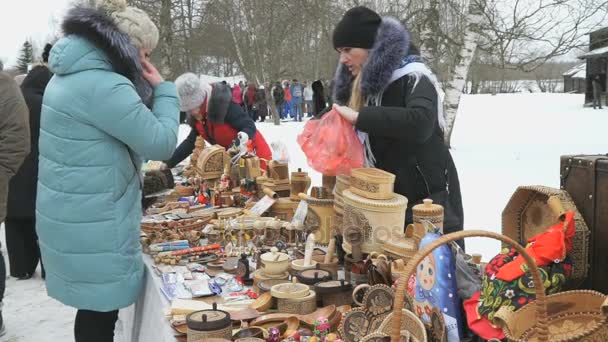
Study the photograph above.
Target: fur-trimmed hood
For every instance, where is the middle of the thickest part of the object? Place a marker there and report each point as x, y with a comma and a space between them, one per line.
219, 101
390, 47
93, 41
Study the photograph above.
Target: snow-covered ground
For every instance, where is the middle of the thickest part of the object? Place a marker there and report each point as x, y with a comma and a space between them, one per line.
499, 143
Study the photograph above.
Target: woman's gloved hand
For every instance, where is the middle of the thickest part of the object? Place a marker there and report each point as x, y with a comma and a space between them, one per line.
347, 113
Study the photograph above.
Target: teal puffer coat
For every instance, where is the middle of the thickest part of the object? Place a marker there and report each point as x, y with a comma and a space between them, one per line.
94, 129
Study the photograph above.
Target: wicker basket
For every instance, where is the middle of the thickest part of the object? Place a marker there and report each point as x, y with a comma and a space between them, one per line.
527, 214
573, 315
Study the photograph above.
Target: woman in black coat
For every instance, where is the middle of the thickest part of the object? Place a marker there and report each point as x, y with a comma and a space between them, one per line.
384, 89
21, 238
318, 97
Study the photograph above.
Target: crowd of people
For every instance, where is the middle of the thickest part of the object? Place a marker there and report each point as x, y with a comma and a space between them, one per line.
293, 100
98, 107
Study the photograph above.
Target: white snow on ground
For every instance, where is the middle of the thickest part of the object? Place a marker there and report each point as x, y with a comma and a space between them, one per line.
499, 142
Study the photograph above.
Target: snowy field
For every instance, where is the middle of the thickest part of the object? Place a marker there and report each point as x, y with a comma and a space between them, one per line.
499, 143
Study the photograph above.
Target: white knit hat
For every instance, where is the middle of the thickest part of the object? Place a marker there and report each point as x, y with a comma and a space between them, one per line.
133, 22
191, 91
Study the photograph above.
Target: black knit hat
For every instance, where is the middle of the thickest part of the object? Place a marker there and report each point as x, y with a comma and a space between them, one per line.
357, 28
46, 52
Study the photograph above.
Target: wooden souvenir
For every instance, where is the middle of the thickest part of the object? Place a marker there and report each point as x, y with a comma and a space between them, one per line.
372, 183
329, 183
301, 306
283, 209
275, 263
278, 172
259, 276
377, 306
265, 285
211, 162
228, 213
262, 303
282, 190
342, 183
374, 221
199, 145
297, 265
206, 324
290, 290
410, 323
320, 218
300, 183
252, 165
313, 276
334, 292
427, 211
401, 247
184, 191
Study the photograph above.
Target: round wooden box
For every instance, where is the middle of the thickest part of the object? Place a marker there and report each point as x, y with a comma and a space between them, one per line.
373, 221
320, 218
289, 290
427, 211
300, 306
372, 183
259, 276
206, 324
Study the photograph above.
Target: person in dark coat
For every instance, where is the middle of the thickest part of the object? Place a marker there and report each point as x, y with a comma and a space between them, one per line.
21, 238
14, 147
215, 117
318, 97
384, 89
597, 92
261, 106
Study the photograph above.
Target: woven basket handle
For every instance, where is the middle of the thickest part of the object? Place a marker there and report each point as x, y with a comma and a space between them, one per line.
541, 302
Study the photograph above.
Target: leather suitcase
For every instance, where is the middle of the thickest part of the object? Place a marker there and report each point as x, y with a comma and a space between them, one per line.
585, 178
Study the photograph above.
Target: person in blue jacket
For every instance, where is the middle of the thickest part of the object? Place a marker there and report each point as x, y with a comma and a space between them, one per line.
105, 109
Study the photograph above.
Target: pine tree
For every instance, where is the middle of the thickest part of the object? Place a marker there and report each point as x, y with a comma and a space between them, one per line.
26, 58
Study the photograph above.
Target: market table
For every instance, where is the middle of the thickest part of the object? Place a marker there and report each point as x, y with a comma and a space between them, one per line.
146, 321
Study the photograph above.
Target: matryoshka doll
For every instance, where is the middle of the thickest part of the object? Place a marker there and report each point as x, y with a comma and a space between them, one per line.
435, 287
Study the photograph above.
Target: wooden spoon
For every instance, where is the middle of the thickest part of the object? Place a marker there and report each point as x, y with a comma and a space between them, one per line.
328, 312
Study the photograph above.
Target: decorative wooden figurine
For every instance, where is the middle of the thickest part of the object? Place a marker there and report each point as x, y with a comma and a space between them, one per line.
300, 183
211, 161
278, 172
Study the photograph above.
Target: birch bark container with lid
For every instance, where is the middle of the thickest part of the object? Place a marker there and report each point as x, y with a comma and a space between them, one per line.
373, 221
428, 211
206, 324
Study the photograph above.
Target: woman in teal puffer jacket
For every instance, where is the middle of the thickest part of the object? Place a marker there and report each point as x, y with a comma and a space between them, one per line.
105, 109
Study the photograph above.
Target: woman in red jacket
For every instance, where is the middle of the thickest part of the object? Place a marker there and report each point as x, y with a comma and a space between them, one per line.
215, 117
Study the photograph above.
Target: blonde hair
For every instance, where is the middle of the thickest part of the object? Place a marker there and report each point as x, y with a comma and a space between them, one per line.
357, 99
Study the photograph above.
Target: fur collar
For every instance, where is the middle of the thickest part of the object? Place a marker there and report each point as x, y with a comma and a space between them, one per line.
390, 47
98, 28
219, 102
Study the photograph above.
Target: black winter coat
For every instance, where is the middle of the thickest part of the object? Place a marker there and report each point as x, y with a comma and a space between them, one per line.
407, 141
22, 188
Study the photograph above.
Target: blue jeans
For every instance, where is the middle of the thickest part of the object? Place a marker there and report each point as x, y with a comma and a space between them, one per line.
286, 110
297, 110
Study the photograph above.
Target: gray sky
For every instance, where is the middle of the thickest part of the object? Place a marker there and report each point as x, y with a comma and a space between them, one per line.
23, 19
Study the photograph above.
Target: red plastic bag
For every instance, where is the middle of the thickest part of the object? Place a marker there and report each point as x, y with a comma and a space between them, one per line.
331, 145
